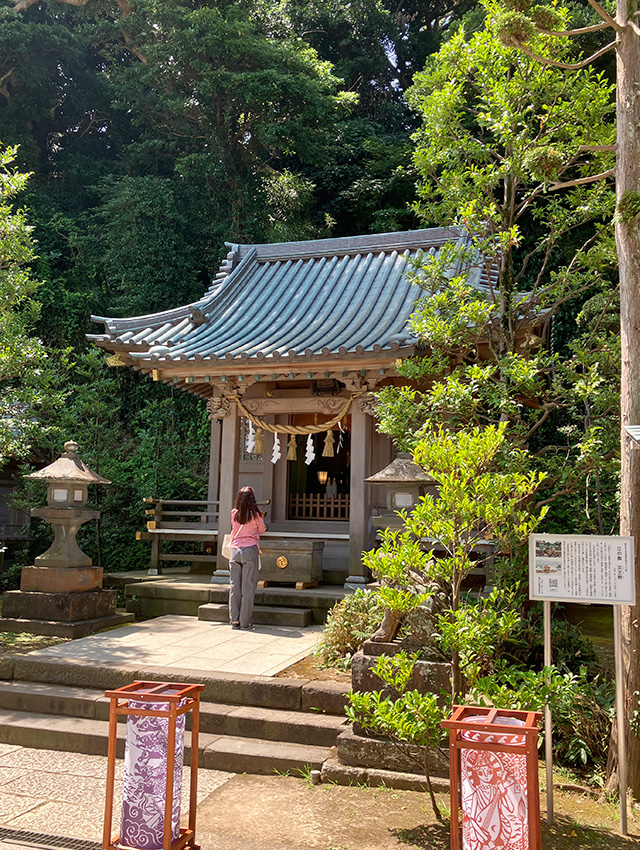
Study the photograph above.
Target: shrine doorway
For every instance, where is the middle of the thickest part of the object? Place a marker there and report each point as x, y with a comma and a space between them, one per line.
320, 490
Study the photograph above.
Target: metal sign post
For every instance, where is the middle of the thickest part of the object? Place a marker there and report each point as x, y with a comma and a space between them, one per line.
548, 733
586, 569
620, 719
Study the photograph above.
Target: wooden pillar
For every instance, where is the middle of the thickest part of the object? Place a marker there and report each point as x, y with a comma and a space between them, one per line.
360, 498
214, 460
229, 459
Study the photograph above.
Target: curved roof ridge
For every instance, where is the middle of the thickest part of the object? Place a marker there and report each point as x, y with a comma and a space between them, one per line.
151, 320
394, 240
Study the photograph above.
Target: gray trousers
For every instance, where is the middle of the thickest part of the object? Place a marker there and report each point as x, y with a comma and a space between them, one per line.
243, 580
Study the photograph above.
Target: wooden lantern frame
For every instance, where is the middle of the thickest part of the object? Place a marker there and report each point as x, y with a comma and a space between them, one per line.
162, 692
459, 723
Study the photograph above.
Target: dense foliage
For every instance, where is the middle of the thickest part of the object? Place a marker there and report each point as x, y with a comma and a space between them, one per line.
155, 132
511, 151
26, 391
349, 623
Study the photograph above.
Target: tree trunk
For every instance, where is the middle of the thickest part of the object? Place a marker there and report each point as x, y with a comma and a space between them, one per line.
628, 245
427, 776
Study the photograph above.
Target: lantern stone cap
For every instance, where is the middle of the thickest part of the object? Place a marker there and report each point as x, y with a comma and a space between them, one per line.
68, 467
401, 470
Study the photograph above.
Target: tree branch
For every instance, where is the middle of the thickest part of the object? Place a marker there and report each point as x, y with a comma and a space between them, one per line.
547, 410
598, 148
124, 7
569, 66
580, 31
605, 15
580, 181
21, 5
634, 27
4, 79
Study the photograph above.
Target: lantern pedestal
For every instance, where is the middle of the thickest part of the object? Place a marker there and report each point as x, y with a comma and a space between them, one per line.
61, 579
66, 522
61, 594
70, 614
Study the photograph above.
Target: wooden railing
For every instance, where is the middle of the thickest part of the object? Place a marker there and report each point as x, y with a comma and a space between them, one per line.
186, 521
13, 531
168, 513
318, 506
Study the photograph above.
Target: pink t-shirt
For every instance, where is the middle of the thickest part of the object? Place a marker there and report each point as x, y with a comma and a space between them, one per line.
248, 534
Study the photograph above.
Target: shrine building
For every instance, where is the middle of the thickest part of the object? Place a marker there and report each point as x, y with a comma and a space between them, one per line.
285, 349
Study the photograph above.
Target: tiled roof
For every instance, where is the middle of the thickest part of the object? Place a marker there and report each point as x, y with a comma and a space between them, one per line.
321, 297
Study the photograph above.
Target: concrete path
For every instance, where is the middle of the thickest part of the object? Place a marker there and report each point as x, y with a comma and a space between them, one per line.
55, 801
181, 643
51, 793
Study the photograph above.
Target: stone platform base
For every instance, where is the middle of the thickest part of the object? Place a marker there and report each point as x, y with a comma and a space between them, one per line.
370, 752
61, 579
56, 628
344, 774
59, 607
428, 677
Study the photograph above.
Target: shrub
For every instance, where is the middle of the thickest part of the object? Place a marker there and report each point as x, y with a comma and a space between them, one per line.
412, 720
348, 625
582, 708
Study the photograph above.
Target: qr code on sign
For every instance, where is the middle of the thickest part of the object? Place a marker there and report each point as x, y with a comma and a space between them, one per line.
553, 583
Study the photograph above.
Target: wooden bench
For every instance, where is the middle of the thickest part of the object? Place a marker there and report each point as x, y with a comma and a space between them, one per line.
186, 520
181, 520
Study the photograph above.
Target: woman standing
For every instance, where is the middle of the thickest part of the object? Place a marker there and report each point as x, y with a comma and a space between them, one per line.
247, 525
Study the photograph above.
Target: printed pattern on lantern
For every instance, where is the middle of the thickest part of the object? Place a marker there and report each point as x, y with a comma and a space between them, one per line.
494, 801
145, 778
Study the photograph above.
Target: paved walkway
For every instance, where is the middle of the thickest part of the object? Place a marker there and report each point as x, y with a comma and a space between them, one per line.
63, 794
185, 643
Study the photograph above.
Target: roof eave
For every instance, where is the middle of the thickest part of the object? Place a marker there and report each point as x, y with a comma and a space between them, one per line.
286, 363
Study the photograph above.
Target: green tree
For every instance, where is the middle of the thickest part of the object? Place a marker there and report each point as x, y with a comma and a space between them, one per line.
499, 152
529, 27
478, 499
513, 152
23, 368
410, 720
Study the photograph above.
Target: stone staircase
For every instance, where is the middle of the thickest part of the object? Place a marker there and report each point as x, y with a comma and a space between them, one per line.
194, 596
263, 615
247, 724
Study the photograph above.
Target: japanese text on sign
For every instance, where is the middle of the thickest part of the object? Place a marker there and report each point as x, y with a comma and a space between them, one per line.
581, 568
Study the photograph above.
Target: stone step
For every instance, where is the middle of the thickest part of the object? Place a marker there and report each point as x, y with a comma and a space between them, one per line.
227, 688
183, 594
263, 615
293, 727
215, 718
252, 755
218, 752
290, 597
71, 630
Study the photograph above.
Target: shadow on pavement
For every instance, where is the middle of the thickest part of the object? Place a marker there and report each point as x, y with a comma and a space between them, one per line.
565, 833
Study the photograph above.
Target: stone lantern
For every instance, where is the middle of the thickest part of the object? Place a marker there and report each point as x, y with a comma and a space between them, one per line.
67, 566
61, 594
406, 482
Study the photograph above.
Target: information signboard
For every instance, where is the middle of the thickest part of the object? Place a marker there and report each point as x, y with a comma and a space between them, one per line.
581, 568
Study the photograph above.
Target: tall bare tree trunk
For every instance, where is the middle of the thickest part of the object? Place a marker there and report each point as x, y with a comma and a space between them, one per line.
628, 245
